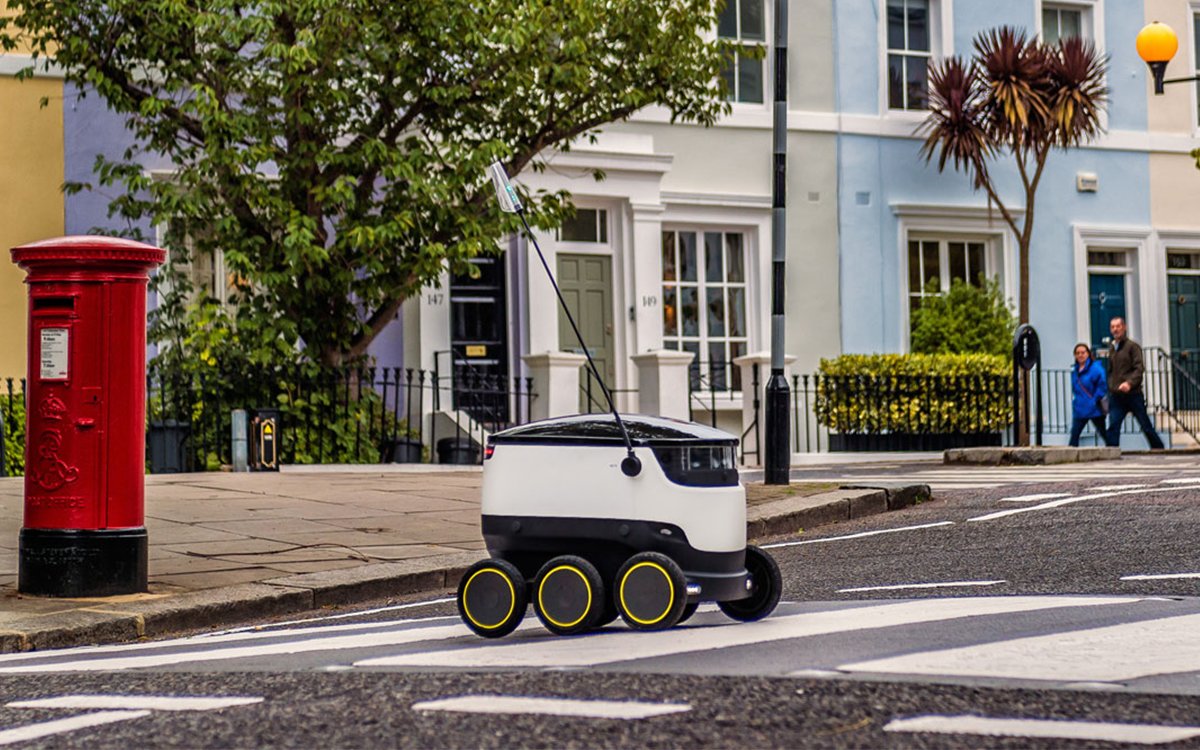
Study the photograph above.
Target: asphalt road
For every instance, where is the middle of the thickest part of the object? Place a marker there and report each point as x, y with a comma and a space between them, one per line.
1035, 609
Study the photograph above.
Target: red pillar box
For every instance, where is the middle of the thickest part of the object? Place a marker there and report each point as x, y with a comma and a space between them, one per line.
84, 532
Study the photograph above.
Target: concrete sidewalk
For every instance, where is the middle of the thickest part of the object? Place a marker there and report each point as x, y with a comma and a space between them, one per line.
227, 548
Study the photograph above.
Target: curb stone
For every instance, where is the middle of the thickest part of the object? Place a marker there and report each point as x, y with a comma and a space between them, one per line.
227, 606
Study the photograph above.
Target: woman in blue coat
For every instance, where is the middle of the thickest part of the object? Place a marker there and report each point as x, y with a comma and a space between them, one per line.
1089, 389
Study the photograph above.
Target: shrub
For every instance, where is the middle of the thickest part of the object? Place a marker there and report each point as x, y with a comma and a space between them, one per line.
968, 319
876, 394
12, 413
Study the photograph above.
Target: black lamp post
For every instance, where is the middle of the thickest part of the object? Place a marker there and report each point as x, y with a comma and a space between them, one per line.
1157, 44
778, 458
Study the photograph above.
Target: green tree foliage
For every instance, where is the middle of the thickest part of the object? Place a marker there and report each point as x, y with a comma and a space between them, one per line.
1017, 96
968, 319
334, 150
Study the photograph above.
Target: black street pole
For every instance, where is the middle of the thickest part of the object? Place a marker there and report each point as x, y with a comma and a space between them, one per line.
777, 467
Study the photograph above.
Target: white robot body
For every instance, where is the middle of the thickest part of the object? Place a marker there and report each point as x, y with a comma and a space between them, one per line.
556, 487
566, 481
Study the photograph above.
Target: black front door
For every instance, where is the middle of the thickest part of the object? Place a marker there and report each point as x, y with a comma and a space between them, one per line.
479, 341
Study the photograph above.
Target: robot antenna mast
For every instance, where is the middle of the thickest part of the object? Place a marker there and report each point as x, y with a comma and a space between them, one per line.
510, 202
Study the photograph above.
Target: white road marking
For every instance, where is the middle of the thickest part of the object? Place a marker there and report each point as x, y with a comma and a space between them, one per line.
1031, 498
588, 709
209, 639
59, 726
136, 702
1112, 653
619, 646
858, 536
1160, 576
398, 637
1140, 734
897, 587
1111, 487
1181, 480
1068, 501
343, 615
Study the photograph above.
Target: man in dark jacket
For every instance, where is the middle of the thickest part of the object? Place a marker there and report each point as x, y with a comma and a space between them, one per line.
1125, 371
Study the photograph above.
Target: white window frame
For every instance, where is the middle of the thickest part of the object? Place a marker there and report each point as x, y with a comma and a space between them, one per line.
1085, 18
944, 240
1091, 18
603, 216
768, 77
941, 44
747, 285
917, 221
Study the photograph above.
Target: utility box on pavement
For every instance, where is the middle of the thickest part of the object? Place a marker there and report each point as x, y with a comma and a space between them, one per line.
265, 440
85, 452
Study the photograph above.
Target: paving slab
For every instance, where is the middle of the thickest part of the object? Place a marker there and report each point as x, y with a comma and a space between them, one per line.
229, 548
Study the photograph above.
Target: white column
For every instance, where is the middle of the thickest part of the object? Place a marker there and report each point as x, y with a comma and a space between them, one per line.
663, 382
753, 442
645, 258
555, 383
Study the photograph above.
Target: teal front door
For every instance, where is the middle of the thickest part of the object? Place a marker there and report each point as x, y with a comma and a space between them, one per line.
1106, 300
1183, 300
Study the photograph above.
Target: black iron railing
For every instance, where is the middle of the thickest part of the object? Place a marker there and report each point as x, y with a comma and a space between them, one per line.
12, 427
591, 395
364, 415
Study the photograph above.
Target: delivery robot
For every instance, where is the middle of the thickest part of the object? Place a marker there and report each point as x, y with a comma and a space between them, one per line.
583, 542
595, 516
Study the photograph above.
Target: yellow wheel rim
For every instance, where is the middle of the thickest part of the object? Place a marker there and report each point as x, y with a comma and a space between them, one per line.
670, 589
512, 598
542, 605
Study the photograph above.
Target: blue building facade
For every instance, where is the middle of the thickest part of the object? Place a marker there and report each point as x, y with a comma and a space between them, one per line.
902, 223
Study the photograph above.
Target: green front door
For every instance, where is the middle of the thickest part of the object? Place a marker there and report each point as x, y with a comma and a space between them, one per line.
1183, 295
586, 283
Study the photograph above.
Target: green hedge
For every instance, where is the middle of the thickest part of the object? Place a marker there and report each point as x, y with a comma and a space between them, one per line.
13, 415
914, 393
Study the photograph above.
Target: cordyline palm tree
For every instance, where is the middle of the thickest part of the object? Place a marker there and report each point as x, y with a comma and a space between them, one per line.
1018, 96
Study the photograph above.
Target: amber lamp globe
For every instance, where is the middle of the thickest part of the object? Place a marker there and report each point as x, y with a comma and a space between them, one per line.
1157, 44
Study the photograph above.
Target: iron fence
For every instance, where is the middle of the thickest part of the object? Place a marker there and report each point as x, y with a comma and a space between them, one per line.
12, 427
363, 415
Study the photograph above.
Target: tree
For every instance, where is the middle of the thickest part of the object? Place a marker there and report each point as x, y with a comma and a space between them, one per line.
334, 150
1020, 97
968, 319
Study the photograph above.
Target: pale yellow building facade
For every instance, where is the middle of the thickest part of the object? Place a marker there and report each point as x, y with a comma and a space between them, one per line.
31, 200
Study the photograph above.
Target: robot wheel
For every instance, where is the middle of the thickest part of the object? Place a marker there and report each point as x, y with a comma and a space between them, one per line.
492, 598
650, 592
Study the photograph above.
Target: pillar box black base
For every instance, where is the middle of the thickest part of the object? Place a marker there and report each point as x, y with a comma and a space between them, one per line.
69, 562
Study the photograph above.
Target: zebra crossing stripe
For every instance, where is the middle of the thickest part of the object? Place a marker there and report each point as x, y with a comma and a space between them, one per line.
860, 535
1098, 731
399, 636
612, 646
1031, 498
1160, 577
136, 702
588, 709
70, 724
1068, 501
1112, 653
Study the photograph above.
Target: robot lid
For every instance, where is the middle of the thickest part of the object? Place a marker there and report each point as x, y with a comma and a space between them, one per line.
601, 429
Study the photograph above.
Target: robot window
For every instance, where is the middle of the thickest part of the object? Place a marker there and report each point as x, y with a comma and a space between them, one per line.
698, 465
